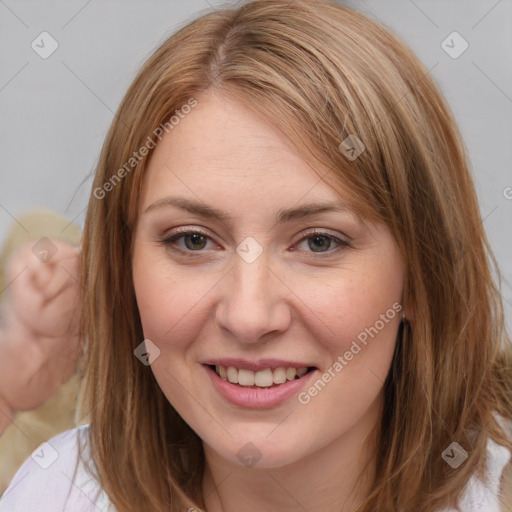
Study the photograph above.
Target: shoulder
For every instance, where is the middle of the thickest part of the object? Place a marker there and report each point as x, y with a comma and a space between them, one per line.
54, 478
484, 495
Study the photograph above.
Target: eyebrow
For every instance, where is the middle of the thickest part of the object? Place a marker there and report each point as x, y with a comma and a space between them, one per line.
283, 215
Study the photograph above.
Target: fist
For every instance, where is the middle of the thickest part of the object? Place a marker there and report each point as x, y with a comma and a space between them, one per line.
39, 343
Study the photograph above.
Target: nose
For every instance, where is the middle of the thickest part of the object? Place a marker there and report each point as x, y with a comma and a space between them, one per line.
253, 306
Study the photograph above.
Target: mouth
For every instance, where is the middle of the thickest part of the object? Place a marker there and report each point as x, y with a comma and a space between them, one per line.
262, 384
264, 378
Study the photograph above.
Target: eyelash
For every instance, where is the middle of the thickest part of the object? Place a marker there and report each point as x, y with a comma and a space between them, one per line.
170, 241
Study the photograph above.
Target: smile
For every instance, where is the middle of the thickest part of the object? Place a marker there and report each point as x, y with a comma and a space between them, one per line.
265, 378
262, 386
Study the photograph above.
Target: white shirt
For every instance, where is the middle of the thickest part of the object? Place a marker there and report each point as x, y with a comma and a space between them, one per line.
46, 482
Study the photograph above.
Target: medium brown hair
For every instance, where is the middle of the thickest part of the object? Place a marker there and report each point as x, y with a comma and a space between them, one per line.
320, 72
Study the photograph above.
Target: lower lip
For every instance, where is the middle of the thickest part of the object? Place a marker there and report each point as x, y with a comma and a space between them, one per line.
257, 397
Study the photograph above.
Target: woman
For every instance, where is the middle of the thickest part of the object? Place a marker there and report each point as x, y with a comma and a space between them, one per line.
287, 296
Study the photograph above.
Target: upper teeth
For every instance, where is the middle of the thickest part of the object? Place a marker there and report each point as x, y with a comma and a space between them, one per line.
263, 378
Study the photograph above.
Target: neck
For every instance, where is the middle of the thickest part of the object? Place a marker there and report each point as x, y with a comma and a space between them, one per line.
6, 415
334, 478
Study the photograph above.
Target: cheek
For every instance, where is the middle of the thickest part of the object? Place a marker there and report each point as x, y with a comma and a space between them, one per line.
168, 302
357, 324
352, 306
358, 315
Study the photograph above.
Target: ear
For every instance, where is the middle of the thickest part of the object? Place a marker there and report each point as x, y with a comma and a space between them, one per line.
407, 313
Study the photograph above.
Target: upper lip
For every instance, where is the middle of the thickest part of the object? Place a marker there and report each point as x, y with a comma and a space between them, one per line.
255, 366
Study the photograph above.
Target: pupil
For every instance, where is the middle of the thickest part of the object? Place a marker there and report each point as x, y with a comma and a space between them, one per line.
196, 239
318, 240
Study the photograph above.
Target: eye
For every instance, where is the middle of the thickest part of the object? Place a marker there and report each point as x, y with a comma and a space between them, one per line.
193, 241
319, 242
190, 241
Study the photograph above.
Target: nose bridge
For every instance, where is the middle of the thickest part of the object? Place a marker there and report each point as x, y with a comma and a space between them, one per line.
252, 304
251, 279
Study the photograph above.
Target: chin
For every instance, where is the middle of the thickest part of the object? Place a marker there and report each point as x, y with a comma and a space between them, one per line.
260, 451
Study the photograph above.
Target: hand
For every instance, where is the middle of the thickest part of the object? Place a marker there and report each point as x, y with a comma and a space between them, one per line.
39, 343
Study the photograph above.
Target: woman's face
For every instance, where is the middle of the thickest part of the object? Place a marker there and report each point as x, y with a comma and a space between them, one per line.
247, 267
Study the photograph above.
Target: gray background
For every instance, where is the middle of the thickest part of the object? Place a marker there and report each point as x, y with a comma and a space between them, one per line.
55, 112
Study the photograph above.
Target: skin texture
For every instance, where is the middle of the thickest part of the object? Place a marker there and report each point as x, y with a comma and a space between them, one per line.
39, 343
299, 300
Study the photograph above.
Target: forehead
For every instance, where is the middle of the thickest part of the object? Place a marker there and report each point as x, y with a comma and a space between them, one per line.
226, 150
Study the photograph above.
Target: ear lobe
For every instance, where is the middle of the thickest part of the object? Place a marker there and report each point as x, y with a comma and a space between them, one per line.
407, 315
